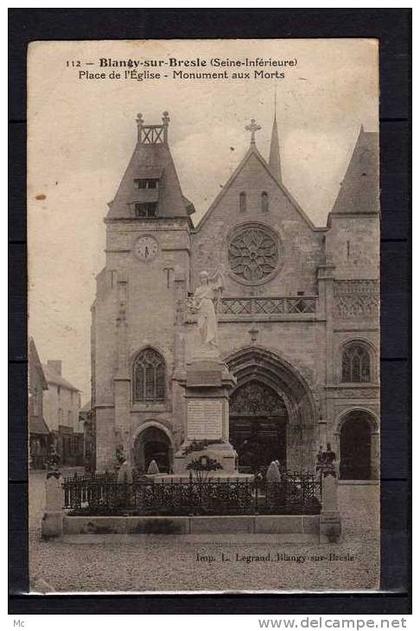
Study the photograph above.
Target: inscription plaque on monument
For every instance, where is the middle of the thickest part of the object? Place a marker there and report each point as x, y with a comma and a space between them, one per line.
204, 418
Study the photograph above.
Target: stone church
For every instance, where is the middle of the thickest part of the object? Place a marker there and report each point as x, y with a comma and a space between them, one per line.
298, 312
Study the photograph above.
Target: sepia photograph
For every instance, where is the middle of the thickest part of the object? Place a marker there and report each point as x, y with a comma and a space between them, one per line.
204, 316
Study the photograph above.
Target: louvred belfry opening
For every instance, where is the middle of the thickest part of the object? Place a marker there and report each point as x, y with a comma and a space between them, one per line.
150, 187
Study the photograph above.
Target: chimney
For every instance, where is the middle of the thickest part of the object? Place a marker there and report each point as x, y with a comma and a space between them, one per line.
55, 365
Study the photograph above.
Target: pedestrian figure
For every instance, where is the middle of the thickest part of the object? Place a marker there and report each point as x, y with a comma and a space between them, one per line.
329, 455
319, 459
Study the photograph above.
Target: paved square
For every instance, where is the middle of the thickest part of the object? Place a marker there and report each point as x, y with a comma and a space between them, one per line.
174, 563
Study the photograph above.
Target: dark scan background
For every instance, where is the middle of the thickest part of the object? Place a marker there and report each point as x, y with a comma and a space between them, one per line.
393, 28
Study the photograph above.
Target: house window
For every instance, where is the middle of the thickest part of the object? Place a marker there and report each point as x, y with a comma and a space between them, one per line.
74, 441
146, 183
69, 418
146, 209
242, 202
149, 376
356, 364
264, 202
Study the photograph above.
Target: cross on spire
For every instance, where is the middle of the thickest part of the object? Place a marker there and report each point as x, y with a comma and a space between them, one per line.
253, 127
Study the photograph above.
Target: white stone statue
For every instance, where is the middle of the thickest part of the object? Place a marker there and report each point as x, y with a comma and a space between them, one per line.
203, 302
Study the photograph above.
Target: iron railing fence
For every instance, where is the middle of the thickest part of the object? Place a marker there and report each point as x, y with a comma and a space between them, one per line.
296, 494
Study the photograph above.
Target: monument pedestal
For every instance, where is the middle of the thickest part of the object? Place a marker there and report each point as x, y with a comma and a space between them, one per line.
222, 452
207, 386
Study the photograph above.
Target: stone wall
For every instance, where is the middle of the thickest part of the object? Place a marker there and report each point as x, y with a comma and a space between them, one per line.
352, 245
151, 289
338, 264
58, 398
300, 246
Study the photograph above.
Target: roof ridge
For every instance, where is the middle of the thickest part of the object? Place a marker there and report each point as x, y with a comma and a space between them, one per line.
52, 376
253, 149
358, 192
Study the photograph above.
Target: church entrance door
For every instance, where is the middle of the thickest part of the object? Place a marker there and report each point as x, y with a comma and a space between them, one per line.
152, 444
257, 426
355, 448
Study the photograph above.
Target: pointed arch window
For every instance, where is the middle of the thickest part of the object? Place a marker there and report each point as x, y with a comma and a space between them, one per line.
356, 364
264, 202
242, 202
149, 376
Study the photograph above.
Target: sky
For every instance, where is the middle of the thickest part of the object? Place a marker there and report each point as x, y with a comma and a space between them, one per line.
82, 132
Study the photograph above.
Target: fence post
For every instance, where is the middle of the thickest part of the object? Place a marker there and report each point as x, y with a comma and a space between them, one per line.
330, 519
256, 493
273, 483
52, 520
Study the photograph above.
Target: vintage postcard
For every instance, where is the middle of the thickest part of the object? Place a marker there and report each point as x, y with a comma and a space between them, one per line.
204, 315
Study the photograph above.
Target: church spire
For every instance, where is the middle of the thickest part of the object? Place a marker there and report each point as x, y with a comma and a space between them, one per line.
274, 160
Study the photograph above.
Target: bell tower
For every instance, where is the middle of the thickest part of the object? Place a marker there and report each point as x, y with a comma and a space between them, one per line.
144, 283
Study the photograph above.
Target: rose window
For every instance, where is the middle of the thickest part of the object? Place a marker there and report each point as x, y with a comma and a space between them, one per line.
253, 254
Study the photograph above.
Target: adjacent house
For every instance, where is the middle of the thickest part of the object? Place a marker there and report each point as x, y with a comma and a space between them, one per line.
39, 434
61, 410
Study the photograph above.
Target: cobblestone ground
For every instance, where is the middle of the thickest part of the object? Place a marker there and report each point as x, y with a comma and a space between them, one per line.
167, 563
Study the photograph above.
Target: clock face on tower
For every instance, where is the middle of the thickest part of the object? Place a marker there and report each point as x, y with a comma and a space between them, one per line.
146, 248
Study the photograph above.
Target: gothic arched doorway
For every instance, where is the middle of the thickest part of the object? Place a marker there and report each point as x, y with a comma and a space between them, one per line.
257, 426
280, 422
356, 447
152, 444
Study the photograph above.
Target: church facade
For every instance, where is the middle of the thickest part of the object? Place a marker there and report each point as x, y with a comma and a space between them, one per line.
297, 312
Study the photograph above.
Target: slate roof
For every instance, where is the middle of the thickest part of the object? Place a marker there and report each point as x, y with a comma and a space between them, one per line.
37, 425
359, 190
253, 151
56, 379
147, 160
87, 407
35, 363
